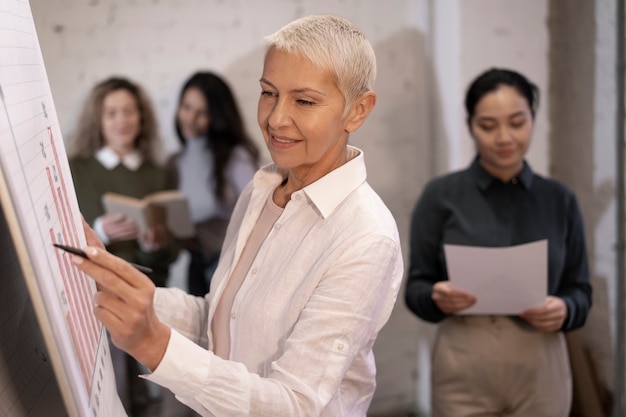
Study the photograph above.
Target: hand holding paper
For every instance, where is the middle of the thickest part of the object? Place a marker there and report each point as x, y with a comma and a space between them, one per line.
548, 317
451, 300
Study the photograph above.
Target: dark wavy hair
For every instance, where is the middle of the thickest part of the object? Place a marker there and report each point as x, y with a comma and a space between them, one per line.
88, 137
491, 80
226, 127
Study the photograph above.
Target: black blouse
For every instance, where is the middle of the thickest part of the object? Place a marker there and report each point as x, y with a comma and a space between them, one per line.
471, 207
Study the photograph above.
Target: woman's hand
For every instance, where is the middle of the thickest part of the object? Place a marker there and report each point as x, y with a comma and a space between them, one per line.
124, 304
118, 227
153, 239
451, 300
548, 317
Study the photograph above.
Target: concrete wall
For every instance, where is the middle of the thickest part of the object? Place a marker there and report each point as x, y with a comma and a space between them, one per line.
428, 50
583, 113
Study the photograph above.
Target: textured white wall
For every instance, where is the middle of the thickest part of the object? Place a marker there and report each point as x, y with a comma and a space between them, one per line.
601, 329
511, 34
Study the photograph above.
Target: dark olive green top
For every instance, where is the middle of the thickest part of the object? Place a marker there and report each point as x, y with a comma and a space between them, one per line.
92, 180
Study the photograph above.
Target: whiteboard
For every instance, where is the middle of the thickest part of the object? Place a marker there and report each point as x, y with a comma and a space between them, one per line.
40, 208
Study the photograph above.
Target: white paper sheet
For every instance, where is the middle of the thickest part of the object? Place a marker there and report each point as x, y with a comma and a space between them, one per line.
505, 280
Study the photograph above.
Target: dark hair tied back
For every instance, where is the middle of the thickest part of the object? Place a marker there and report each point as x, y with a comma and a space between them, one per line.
491, 80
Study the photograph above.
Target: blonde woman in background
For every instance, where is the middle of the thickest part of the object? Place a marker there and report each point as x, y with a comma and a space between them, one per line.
114, 149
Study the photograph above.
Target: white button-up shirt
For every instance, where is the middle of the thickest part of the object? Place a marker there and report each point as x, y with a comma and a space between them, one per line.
307, 314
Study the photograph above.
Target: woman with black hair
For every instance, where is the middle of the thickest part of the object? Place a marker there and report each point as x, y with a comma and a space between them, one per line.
494, 365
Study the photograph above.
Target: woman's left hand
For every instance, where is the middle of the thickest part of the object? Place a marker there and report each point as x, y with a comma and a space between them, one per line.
548, 317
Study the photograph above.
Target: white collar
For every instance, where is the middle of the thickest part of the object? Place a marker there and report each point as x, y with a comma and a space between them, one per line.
327, 192
109, 159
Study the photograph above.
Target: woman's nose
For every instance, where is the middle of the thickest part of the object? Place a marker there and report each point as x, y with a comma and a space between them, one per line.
504, 135
279, 114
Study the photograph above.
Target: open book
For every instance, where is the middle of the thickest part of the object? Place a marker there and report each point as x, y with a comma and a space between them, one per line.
170, 208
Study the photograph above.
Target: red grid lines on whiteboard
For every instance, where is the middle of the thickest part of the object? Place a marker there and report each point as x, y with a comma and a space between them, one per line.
83, 325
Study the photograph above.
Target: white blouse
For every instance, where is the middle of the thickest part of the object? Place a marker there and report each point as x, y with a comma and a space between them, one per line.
305, 319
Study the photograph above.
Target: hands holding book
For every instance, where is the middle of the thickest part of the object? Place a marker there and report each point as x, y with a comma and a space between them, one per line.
152, 217
119, 227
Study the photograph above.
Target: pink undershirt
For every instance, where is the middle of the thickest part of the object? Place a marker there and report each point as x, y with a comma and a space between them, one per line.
221, 320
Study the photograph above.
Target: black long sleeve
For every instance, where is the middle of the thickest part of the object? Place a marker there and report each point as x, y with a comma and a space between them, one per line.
470, 207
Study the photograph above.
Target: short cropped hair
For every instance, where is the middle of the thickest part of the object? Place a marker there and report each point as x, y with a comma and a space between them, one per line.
334, 43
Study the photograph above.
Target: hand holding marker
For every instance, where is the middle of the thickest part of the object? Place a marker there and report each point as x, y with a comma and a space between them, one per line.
82, 254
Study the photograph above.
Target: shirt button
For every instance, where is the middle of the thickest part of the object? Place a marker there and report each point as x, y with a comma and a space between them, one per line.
298, 196
277, 226
253, 271
340, 347
233, 316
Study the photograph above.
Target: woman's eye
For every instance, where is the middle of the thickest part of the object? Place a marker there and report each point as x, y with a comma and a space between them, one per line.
518, 124
267, 94
306, 102
486, 128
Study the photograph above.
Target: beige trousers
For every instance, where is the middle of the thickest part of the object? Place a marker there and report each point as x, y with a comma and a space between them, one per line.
488, 366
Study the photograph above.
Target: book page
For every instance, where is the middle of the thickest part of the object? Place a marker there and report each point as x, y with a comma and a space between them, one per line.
132, 208
40, 207
177, 213
169, 208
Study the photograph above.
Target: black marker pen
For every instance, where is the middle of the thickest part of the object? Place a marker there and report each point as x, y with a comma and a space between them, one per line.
82, 254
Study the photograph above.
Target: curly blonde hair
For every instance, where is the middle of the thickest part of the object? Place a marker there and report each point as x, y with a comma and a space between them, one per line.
88, 137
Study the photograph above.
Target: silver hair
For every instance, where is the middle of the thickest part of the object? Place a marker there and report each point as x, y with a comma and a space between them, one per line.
333, 43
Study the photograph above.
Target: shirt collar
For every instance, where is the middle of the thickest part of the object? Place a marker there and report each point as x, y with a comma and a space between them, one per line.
484, 179
109, 159
327, 192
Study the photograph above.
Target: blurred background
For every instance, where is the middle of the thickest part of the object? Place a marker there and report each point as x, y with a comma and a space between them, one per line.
428, 51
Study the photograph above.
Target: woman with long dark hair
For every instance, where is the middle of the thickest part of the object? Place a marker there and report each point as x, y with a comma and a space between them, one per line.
217, 160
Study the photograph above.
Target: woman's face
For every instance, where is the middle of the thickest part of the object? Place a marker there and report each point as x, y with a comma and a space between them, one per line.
193, 114
300, 113
121, 121
501, 127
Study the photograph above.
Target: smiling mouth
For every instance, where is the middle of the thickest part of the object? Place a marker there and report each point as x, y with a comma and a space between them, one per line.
283, 140
279, 140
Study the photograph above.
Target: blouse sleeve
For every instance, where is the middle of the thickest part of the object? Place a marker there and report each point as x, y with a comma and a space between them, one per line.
340, 320
574, 287
186, 313
425, 241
